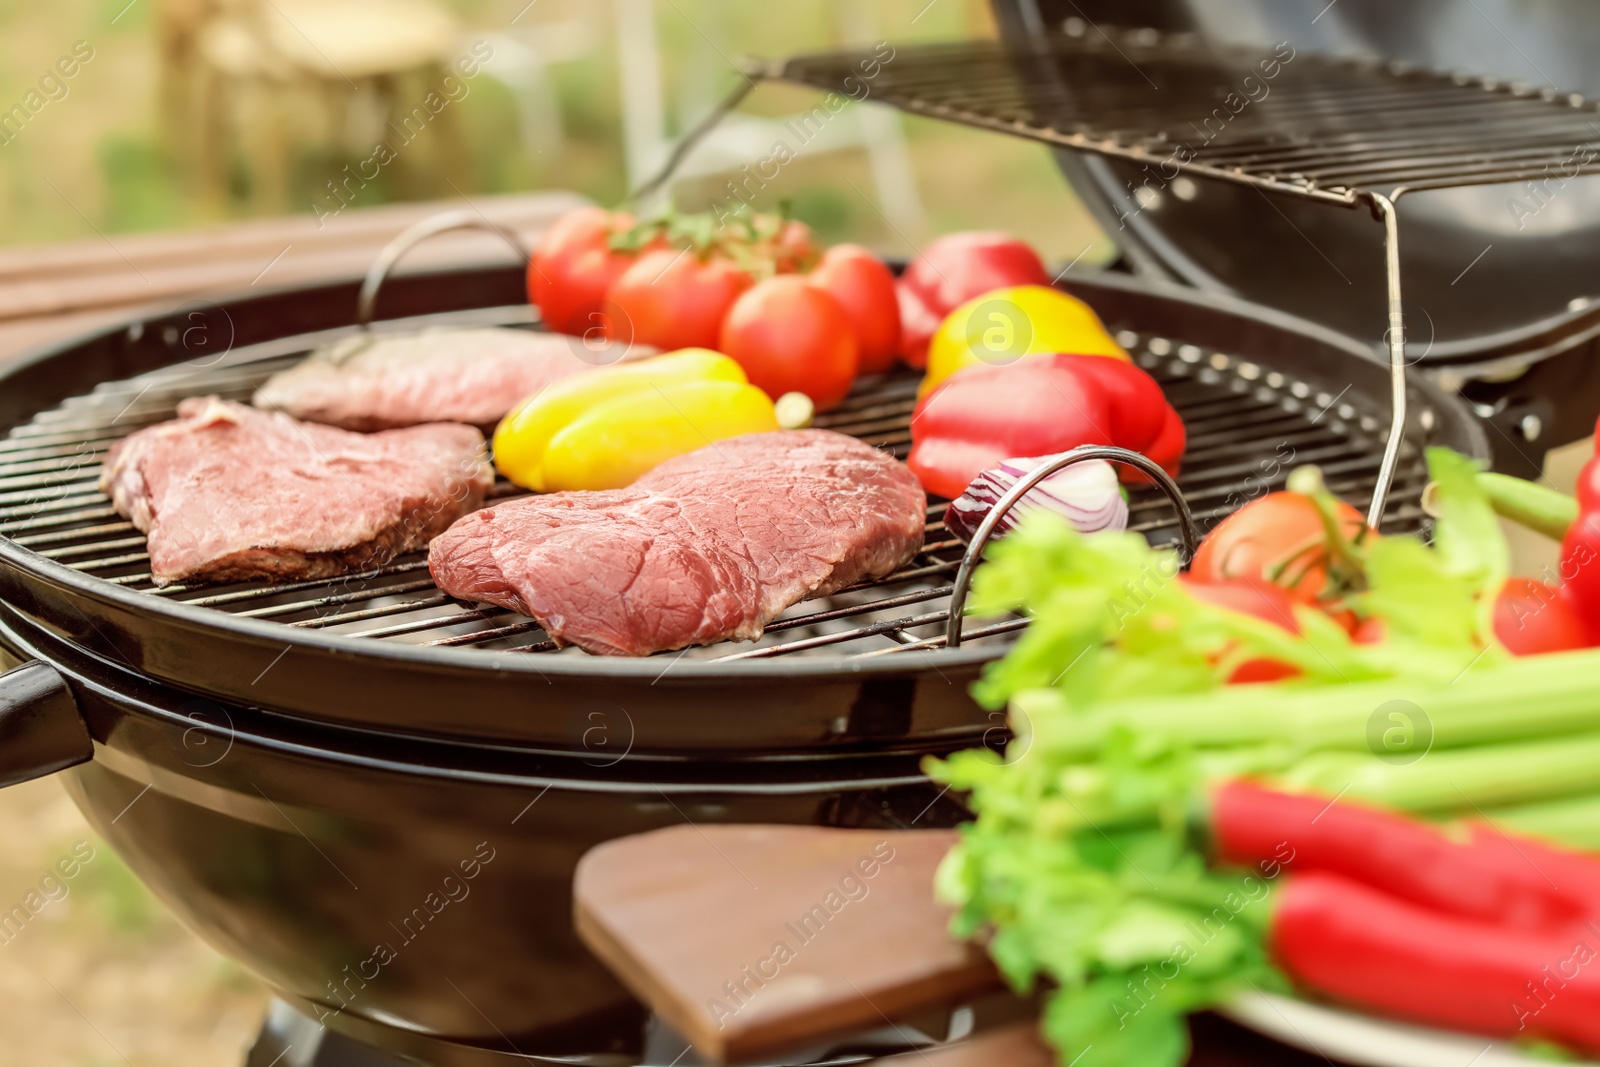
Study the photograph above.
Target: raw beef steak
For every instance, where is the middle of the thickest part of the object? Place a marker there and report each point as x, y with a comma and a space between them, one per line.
229, 493
377, 382
708, 546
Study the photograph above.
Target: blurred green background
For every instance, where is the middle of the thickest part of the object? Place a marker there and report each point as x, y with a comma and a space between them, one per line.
184, 117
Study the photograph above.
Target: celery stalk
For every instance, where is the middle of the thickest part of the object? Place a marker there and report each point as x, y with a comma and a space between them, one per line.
1574, 823
1529, 504
1533, 697
1466, 780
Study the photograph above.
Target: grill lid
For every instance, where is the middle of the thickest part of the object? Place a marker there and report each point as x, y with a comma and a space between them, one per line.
1541, 276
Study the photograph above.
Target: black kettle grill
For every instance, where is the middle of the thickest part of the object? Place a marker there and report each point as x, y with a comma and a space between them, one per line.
304, 772
373, 796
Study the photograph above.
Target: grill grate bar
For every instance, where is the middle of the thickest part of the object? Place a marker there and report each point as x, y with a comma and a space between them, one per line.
1326, 128
527, 626
821, 640
274, 610
418, 625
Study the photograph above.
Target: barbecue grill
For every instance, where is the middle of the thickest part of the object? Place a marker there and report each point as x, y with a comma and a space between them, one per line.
295, 768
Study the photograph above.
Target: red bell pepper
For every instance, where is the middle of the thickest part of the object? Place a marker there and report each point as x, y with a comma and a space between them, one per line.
952, 270
982, 415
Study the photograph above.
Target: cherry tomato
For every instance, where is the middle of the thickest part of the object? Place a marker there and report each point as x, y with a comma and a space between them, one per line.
1580, 566
1373, 631
1279, 533
864, 288
1262, 600
671, 298
1532, 617
574, 266
794, 249
790, 336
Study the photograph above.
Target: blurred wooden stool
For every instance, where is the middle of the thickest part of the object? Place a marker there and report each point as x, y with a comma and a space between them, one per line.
254, 80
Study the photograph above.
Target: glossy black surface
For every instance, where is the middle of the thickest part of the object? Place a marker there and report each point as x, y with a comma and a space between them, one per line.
311, 856
41, 731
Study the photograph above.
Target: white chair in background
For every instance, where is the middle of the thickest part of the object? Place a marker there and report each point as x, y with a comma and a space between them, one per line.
741, 139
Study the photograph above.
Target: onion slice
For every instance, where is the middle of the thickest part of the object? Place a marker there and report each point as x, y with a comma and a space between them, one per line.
1086, 494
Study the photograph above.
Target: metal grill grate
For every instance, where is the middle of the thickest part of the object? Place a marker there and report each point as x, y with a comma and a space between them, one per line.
1247, 424
1308, 124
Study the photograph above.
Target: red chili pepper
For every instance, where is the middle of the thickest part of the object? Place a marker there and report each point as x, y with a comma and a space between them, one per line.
1378, 951
1402, 857
982, 415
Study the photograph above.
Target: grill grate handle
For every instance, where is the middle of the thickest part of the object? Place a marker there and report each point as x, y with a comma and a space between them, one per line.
1186, 528
415, 234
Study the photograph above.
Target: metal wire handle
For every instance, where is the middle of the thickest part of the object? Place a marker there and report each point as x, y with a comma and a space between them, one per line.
1186, 528
415, 234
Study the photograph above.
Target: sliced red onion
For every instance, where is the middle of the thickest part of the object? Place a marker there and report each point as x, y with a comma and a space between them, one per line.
1086, 494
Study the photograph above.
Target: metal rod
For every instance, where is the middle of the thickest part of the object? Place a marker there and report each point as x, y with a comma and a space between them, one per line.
750, 75
415, 234
1396, 335
991, 521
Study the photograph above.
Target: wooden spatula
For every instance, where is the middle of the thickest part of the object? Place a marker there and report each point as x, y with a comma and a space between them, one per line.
750, 940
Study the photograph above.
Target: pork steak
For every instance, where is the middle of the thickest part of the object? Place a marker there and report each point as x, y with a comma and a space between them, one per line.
377, 382
228, 493
706, 547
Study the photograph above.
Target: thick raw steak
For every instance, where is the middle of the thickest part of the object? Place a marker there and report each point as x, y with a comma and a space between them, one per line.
473, 376
708, 546
228, 493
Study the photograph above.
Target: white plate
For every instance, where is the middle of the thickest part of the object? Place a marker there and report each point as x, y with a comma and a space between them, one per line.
1368, 1041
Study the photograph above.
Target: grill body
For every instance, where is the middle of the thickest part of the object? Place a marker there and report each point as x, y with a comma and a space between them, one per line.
295, 794
312, 856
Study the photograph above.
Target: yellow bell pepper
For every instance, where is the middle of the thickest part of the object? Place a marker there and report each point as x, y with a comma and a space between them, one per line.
604, 429
1010, 324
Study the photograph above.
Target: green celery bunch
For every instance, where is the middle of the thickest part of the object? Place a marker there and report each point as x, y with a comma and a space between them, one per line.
1084, 869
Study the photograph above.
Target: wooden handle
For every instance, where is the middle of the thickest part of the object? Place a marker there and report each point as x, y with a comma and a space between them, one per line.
750, 940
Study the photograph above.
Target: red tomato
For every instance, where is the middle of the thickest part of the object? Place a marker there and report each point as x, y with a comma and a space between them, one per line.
671, 298
794, 249
790, 336
864, 288
1529, 617
1532, 617
1264, 601
1278, 531
1373, 631
574, 266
